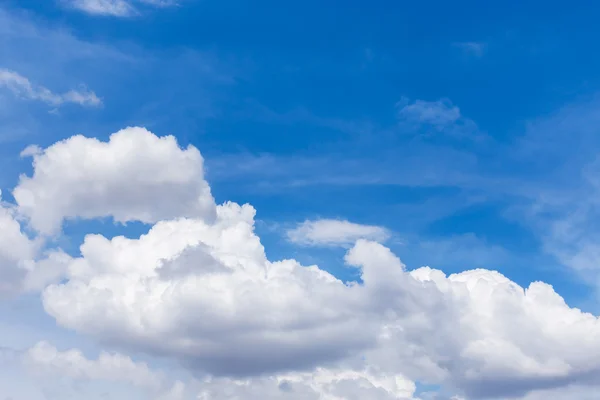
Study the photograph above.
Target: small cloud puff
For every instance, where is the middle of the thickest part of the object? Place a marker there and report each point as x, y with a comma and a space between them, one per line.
334, 232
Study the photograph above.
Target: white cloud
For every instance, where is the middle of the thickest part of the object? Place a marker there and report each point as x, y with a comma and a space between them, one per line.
135, 176
334, 232
202, 292
206, 295
21, 86
115, 374
45, 358
219, 273
579, 392
114, 8
322, 383
15, 250
440, 115
44, 361
22, 267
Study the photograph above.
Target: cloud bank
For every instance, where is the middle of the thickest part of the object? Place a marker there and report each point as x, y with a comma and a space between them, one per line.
198, 289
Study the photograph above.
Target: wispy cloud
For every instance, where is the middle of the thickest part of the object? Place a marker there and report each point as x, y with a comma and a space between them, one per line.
476, 49
53, 56
440, 113
440, 116
271, 172
22, 87
433, 137
114, 8
160, 3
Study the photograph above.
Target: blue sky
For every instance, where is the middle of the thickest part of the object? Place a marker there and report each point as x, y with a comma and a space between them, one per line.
467, 130
310, 91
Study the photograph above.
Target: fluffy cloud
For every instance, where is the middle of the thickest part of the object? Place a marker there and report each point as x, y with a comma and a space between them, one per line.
199, 289
321, 384
504, 340
333, 232
135, 176
15, 249
22, 87
110, 374
22, 267
206, 295
44, 361
45, 358
143, 291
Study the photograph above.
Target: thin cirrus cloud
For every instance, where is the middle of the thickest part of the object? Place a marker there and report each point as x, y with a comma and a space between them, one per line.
440, 116
22, 87
334, 232
476, 49
199, 289
114, 8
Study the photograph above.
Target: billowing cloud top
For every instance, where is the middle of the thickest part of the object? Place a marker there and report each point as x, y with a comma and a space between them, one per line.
198, 288
135, 176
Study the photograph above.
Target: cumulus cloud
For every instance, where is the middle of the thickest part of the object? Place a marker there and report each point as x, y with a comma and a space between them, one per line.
200, 290
72, 363
507, 340
135, 176
322, 383
63, 371
241, 302
21, 86
22, 266
233, 313
15, 249
45, 361
334, 232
